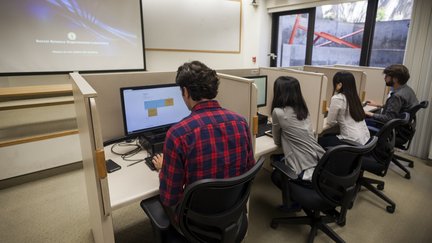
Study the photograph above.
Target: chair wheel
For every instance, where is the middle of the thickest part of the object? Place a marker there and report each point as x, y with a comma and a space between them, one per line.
380, 187
407, 176
341, 223
411, 165
391, 209
274, 225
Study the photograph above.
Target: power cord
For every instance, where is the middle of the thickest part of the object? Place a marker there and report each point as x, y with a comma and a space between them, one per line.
136, 148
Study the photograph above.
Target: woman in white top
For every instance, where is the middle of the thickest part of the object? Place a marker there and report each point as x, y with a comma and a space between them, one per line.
346, 111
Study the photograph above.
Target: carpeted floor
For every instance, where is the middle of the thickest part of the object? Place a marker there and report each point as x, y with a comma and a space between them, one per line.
54, 209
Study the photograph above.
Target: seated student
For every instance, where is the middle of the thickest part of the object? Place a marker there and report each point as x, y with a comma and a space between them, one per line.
400, 99
292, 129
211, 142
346, 111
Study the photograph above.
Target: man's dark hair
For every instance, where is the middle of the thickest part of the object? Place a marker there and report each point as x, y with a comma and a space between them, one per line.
398, 71
287, 92
200, 81
349, 89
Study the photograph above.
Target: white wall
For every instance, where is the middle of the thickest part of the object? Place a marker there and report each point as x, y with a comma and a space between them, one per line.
255, 41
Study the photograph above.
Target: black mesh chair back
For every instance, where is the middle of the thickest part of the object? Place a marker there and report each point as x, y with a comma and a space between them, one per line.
214, 210
405, 133
378, 161
382, 155
337, 172
334, 185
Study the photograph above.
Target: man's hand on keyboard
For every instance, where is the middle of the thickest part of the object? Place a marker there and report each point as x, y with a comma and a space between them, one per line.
157, 161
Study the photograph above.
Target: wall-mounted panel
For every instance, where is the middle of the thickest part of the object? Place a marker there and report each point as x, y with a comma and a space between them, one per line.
192, 25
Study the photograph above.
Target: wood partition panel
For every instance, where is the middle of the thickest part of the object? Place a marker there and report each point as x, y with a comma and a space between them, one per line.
360, 78
375, 88
313, 86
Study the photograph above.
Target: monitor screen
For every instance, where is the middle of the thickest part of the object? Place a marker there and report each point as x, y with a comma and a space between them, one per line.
151, 108
261, 83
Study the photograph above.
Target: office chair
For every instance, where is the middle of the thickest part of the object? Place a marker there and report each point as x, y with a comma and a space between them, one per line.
212, 210
333, 186
378, 161
404, 136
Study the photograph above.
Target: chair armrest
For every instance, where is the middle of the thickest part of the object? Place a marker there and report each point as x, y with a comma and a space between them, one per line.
374, 123
156, 213
350, 142
373, 130
284, 169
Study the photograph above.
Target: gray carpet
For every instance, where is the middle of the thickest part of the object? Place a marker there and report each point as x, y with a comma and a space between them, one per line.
55, 209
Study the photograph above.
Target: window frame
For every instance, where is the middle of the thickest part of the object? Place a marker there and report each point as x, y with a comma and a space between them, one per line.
367, 41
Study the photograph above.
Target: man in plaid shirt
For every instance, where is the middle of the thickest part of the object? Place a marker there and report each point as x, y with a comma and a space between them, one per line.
211, 142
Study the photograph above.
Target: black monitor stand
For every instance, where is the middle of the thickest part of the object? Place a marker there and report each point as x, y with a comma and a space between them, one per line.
155, 140
262, 119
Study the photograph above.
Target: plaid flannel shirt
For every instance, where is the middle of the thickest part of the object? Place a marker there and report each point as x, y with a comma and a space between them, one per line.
211, 142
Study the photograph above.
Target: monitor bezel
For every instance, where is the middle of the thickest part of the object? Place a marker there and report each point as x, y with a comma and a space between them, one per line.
266, 83
152, 130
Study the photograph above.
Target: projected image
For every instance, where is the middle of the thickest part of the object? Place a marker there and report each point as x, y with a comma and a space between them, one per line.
70, 35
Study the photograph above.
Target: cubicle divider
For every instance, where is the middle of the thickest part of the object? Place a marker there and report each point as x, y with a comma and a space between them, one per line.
375, 87
234, 94
359, 76
240, 72
313, 86
99, 116
107, 86
93, 159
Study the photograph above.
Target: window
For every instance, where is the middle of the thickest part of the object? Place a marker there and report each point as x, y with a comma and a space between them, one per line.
356, 33
391, 31
293, 34
338, 33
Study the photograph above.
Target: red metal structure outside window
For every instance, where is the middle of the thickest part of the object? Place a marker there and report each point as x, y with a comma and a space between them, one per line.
327, 36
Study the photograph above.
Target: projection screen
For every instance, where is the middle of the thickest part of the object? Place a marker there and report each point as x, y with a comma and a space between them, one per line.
70, 35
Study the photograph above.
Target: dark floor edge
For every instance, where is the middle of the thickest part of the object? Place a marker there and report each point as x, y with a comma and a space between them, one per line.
18, 180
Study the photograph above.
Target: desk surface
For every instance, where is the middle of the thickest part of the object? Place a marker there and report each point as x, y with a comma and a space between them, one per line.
370, 108
137, 182
264, 145
133, 183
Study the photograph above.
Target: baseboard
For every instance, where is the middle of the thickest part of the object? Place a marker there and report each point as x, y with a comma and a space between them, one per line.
18, 180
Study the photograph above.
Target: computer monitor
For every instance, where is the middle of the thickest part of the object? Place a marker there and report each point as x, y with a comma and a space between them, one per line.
261, 83
151, 109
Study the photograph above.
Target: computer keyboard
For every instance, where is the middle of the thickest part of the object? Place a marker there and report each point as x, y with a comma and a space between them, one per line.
149, 163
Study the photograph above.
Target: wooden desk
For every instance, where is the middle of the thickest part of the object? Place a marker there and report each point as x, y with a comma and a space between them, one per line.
35, 91
132, 183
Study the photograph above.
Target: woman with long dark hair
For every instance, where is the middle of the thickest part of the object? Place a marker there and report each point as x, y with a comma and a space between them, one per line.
292, 128
346, 111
